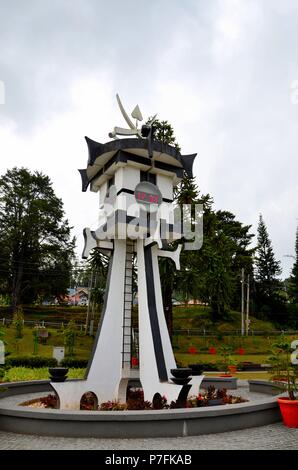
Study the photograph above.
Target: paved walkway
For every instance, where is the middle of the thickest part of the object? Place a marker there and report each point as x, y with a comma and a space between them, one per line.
275, 436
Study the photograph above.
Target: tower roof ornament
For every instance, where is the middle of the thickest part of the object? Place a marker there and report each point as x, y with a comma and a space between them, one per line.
133, 128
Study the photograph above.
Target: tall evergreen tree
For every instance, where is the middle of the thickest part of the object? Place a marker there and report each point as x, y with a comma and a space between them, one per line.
267, 267
35, 243
293, 283
269, 302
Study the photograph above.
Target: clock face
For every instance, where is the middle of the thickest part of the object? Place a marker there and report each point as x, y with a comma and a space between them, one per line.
148, 194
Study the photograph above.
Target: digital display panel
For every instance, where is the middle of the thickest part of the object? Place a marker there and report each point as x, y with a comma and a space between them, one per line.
141, 196
148, 193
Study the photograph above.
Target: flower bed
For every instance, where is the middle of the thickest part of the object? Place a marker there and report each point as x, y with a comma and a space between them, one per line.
135, 401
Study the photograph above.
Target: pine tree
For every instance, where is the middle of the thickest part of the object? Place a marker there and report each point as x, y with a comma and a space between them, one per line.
267, 267
164, 132
268, 299
293, 284
187, 192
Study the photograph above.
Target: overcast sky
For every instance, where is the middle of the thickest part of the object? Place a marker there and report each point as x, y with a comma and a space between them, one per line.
223, 72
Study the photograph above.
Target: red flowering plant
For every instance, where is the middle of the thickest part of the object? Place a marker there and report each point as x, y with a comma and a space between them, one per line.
197, 401
135, 400
138, 404
212, 350
134, 361
192, 350
135, 394
112, 406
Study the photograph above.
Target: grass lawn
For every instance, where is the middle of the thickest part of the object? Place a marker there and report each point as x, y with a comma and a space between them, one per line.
17, 374
24, 346
257, 348
198, 316
49, 313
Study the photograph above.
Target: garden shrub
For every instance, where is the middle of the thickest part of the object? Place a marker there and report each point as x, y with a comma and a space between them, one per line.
138, 404
31, 361
210, 366
74, 363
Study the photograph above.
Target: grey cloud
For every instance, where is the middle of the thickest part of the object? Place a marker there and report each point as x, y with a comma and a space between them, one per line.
223, 81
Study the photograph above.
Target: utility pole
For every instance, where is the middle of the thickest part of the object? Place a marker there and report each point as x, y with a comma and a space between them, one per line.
242, 302
247, 306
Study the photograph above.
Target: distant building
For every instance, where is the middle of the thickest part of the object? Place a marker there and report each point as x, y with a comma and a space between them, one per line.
78, 296
75, 296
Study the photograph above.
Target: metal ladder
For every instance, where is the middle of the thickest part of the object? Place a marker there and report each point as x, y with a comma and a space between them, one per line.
127, 326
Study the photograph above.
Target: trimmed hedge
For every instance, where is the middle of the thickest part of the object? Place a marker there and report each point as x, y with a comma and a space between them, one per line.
74, 363
209, 367
31, 361
37, 361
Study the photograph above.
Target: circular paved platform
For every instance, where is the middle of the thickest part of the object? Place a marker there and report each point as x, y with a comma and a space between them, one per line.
270, 436
260, 410
274, 436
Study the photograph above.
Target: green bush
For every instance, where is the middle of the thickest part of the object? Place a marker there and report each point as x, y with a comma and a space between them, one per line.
31, 362
74, 363
210, 366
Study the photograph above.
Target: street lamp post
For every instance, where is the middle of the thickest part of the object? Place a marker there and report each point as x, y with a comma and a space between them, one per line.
242, 302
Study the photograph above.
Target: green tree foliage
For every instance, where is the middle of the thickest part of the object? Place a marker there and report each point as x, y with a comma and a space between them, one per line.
98, 265
240, 253
164, 132
211, 274
35, 242
282, 367
267, 267
80, 274
293, 282
268, 286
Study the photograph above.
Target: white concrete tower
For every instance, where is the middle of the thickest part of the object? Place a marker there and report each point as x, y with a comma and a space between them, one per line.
134, 177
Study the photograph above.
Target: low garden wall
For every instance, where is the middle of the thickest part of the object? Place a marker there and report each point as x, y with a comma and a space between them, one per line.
157, 423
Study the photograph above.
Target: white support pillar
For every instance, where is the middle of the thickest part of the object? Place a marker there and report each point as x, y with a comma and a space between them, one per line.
105, 371
156, 354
